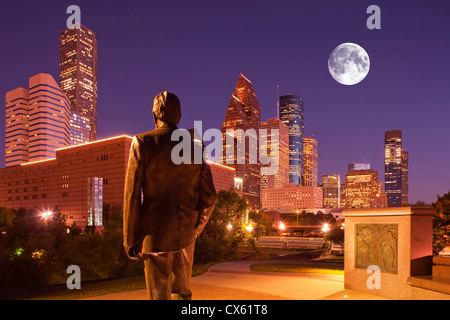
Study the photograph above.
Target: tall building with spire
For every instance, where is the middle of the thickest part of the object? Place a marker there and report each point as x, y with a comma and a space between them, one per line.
291, 113
240, 131
395, 169
78, 74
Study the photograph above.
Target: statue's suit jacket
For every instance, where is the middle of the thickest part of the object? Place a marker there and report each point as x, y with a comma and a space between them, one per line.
176, 201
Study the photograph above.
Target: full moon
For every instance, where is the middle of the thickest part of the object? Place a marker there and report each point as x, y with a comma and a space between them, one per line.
349, 63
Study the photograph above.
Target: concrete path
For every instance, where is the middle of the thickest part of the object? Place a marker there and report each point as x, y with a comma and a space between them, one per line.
235, 281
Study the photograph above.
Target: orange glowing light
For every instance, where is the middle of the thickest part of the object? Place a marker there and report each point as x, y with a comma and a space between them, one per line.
94, 142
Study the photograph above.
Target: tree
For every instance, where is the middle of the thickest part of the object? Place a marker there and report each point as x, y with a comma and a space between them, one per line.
6, 219
218, 241
336, 235
441, 223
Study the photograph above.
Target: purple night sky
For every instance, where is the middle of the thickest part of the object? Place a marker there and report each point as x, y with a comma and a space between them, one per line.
196, 49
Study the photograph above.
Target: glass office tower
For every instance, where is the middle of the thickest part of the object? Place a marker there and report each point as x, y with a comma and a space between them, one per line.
310, 162
291, 113
331, 184
395, 169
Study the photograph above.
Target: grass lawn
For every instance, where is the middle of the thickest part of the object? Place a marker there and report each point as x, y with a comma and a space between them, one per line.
296, 268
110, 286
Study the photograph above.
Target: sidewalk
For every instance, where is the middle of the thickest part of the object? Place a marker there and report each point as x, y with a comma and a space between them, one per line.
235, 281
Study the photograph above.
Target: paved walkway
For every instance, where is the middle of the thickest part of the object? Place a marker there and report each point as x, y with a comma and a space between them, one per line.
235, 281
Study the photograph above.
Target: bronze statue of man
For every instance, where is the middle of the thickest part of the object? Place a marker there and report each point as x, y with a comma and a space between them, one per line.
166, 205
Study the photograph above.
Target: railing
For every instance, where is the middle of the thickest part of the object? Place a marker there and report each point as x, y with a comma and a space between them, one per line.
291, 242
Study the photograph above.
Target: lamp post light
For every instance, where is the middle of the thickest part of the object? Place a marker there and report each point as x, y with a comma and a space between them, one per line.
229, 227
326, 227
297, 213
282, 227
46, 215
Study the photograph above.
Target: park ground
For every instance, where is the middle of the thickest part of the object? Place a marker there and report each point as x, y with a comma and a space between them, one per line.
260, 279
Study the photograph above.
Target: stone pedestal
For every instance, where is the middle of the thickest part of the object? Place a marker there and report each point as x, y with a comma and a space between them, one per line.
398, 241
441, 269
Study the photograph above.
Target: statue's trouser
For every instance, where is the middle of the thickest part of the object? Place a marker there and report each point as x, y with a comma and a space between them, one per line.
168, 273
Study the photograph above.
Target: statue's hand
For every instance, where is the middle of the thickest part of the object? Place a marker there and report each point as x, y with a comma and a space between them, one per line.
132, 252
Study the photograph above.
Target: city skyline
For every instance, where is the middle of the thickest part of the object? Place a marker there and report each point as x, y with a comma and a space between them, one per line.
403, 91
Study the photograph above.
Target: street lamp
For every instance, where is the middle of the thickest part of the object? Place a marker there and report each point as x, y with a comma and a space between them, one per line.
229, 226
297, 212
282, 227
46, 215
326, 227
249, 228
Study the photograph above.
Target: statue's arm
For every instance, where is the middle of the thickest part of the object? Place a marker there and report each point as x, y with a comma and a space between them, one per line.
132, 195
206, 196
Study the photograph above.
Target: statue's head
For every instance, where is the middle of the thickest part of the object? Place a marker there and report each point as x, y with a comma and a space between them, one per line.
166, 108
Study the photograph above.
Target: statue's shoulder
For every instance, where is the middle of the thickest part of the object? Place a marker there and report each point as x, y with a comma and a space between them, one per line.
147, 137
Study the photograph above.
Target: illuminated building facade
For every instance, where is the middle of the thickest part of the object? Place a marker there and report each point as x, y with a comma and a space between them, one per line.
80, 128
243, 120
78, 72
223, 176
37, 121
405, 178
293, 197
310, 162
331, 184
360, 185
279, 146
16, 127
95, 201
80, 181
358, 166
292, 114
395, 169
378, 200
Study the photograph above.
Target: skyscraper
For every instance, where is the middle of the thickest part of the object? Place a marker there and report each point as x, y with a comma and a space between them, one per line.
78, 72
395, 169
280, 146
16, 127
291, 113
360, 186
331, 184
80, 128
358, 166
405, 178
246, 94
310, 162
241, 124
37, 121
